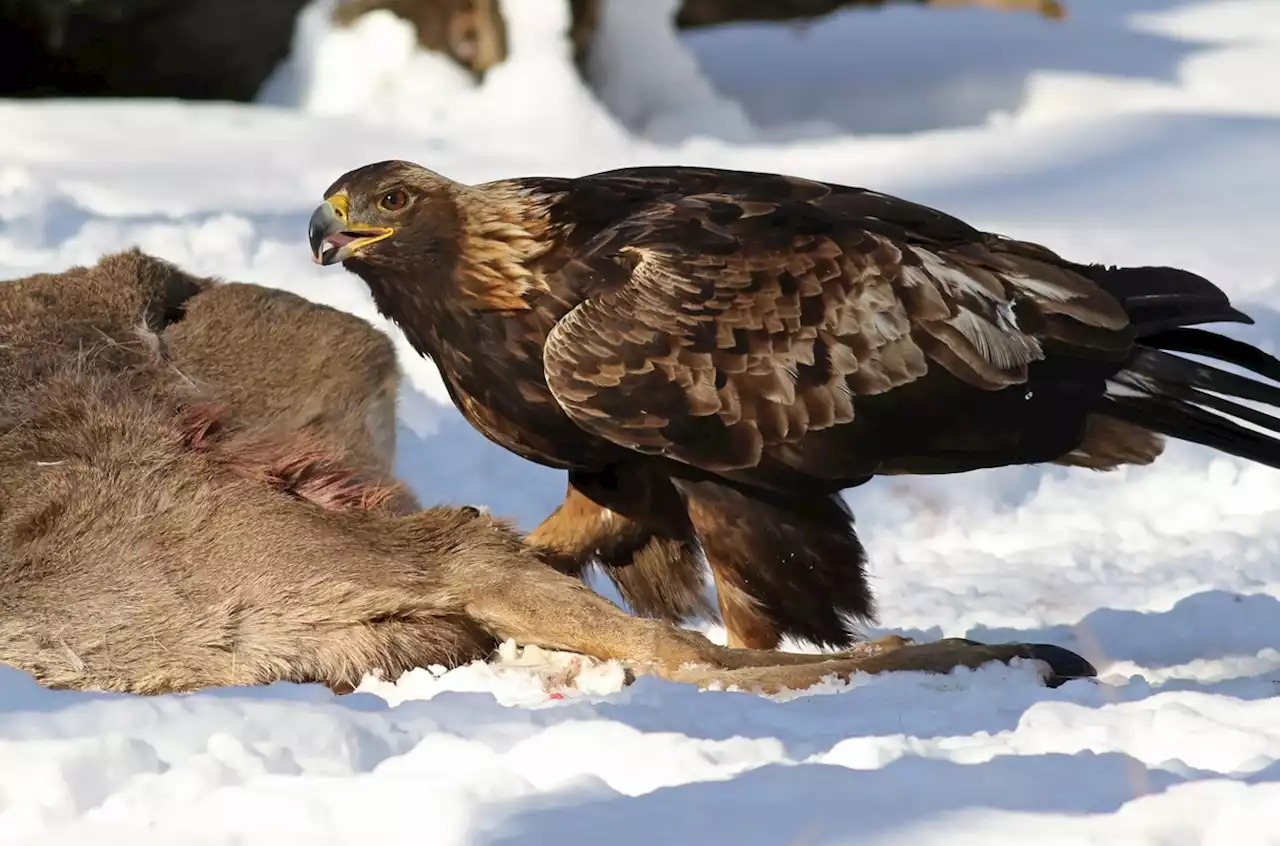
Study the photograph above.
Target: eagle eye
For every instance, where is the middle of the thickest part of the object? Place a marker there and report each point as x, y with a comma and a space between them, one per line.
393, 200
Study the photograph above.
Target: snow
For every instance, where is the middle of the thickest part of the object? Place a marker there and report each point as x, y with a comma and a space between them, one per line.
1134, 132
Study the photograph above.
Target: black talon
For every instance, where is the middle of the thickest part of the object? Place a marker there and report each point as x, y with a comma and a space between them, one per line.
1064, 664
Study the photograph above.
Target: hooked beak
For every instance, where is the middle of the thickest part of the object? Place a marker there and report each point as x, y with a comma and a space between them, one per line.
334, 237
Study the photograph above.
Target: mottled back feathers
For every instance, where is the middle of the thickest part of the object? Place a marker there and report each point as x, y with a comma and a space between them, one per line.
746, 322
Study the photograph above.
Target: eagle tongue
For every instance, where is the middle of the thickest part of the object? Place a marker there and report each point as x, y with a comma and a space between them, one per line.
338, 240
332, 243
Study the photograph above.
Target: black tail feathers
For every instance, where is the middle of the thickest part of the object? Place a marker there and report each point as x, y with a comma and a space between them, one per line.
1189, 401
1180, 397
1220, 347
1184, 398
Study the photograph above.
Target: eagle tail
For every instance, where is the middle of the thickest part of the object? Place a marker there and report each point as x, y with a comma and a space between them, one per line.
1179, 397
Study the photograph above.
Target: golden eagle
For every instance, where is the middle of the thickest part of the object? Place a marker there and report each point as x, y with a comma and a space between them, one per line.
714, 355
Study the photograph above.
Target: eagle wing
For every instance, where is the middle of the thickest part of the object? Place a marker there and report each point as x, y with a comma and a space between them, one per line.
725, 326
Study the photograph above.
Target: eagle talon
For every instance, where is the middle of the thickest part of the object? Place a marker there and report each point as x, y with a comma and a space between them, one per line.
1063, 664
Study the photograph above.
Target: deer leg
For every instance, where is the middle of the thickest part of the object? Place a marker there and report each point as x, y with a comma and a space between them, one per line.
533, 604
537, 605
1052, 9
1058, 665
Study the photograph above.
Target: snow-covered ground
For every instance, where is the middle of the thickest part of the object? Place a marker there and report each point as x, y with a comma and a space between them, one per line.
1138, 131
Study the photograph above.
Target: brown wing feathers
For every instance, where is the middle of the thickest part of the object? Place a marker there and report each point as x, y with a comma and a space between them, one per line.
743, 325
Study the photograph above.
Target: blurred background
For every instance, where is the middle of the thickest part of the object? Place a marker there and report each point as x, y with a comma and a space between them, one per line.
227, 49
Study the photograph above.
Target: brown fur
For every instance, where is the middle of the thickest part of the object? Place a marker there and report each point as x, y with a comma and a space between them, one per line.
175, 514
351, 379
300, 466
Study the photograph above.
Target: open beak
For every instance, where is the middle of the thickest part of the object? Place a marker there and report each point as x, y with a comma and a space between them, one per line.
334, 237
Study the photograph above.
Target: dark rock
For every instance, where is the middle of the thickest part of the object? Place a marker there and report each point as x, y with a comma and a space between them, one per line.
191, 49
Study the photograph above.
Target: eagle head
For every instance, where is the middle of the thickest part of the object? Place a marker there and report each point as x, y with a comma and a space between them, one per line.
385, 214
397, 224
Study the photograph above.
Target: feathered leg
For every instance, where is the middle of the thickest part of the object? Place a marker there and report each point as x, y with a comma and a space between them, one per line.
791, 567
634, 528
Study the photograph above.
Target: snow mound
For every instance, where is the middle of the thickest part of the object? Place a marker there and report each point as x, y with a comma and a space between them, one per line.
374, 70
653, 83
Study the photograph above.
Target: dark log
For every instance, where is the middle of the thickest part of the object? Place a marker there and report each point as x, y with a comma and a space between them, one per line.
695, 14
